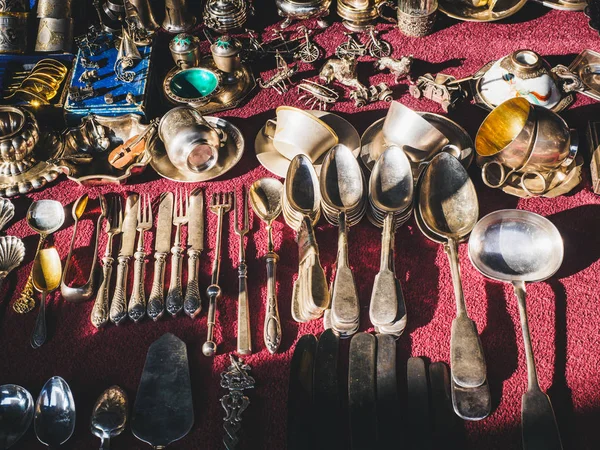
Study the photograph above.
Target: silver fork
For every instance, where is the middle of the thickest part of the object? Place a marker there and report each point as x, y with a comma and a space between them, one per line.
137, 303
219, 205
244, 342
112, 227
174, 300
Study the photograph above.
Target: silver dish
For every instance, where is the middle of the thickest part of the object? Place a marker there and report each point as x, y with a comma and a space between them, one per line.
562, 5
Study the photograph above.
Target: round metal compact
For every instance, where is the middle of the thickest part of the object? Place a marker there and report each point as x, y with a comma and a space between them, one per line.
185, 50
191, 86
302, 9
225, 15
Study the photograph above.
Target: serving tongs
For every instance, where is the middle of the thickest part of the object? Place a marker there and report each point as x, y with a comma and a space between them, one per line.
77, 294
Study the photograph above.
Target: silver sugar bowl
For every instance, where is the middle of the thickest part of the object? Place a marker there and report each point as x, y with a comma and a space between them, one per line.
185, 50
225, 15
226, 55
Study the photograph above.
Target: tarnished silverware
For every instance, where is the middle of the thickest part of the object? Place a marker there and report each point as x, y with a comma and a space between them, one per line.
137, 302
112, 227
54, 419
44, 217
265, 197
85, 292
236, 379
16, 410
244, 342
118, 307
47, 271
162, 246
219, 205
174, 301
192, 305
12, 253
109, 415
518, 247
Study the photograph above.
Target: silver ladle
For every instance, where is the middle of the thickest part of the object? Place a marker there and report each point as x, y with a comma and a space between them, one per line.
448, 206
342, 189
44, 217
391, 189
516, 247
82, 293
265, 198
16, 413
54, 420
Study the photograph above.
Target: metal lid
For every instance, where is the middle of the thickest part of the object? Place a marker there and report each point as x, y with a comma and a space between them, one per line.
183, 42
226, 46
224, 8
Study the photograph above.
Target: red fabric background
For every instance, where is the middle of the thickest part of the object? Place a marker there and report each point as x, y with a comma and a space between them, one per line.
563, 310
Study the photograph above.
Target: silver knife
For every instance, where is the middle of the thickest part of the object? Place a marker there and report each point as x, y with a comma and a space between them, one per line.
192, 304
118, 308
162, 247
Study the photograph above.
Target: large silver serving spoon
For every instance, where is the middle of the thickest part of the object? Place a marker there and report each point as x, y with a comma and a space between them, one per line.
516, 247
391, 190
265, 198
109, 416
342, 189
448, 206
54, 420
16, 414
44, 217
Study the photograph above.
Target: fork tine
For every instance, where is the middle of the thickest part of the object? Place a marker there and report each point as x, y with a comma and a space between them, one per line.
245, 198
149, 209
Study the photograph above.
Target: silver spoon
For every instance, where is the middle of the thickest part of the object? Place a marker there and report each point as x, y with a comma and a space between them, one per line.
109, 416
391, 190
16, 414
54, 420
448, 206
517, 247
265, 198
342, 189
44, 217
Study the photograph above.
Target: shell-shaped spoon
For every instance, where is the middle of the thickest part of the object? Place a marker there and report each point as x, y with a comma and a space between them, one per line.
7, 212
12, 252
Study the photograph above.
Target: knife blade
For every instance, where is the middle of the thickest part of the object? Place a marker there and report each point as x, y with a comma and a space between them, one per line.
417, 405
192, 304
362, 391
387, 392
163, 412
162, 247
118, 307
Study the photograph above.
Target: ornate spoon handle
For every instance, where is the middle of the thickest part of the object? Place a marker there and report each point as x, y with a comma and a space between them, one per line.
272, 329
39, 330
244, 342
156, 304
99, 316
118, 308
25, 302
175, 293
137, 303
192, 304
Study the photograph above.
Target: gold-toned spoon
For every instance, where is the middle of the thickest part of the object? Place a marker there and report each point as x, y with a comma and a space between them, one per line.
47, 271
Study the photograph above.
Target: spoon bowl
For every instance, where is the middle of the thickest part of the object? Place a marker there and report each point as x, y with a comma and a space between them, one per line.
109, 415
391, 183
265, 198
342, 187
16, 413
54, 419
79, 207
45, 216
47, 270
302, 186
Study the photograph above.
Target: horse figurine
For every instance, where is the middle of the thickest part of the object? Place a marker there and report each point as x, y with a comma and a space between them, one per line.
342, 70
400, 68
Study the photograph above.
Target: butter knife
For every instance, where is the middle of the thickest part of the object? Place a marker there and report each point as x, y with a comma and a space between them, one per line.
192, 304
118, 307
162, 247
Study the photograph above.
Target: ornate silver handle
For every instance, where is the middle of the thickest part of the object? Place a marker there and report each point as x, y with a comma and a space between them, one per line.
118, 307
192, 304
99, 316
209, 348
137, 303
175, 293
272, 329
39, 330
244, 340
156, 304
25, 302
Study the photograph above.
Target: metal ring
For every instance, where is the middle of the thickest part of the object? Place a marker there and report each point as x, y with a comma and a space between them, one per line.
503, 175
535, 174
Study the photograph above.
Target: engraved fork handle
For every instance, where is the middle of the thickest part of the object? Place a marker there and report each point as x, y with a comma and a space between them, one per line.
137, 303
175, 294
99, 316
272, 329
244, 342
192, 304
39, 330
156, 305
25, 302
118, 308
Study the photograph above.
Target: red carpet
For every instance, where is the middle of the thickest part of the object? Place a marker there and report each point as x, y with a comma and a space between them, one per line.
563, 311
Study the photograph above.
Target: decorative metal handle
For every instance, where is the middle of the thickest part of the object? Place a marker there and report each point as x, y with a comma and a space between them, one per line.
118, 308
39, 330
26, 302
214, 294
137, 303
99, 316
156, 304
192, 304
384, 298
272, 330
175, 293
244, 340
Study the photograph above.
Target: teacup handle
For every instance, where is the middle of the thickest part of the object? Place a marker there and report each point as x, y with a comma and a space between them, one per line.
533, 192
503, 174
389, 4
453, 150
270, 128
